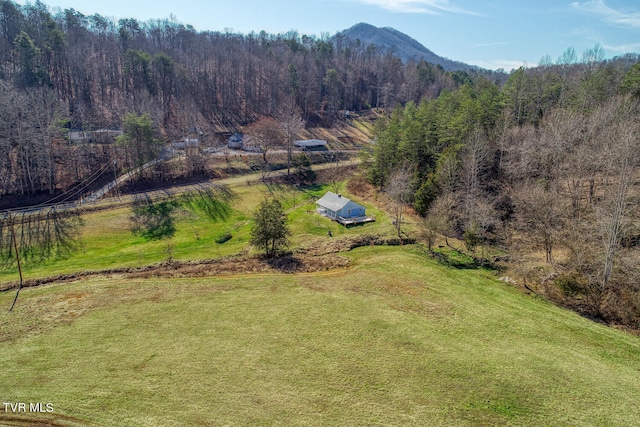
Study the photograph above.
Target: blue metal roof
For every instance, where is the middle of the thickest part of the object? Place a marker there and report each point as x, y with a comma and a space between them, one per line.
335, 202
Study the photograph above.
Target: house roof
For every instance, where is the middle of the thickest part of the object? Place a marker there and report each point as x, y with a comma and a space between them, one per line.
310, 143
236, 137
333, 201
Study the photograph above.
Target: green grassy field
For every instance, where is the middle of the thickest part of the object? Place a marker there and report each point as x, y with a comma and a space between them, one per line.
397, 339
106, 240
394, 339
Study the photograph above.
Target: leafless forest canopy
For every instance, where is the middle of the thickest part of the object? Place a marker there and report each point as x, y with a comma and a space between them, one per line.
69, 71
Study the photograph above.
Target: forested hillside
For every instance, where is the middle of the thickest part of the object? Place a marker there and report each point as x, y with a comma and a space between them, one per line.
66, 71
543, 169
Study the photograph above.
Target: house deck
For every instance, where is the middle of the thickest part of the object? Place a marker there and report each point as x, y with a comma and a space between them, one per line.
355, 220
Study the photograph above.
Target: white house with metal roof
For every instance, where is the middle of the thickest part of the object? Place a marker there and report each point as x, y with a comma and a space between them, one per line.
307, 144
341, 209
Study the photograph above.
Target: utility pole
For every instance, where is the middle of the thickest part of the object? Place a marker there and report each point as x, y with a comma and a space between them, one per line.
115, 179
15, 248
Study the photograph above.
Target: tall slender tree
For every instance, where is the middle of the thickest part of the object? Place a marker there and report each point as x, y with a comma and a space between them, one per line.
290, 120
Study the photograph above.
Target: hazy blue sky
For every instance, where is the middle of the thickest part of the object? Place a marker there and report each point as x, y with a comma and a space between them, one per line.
489, 33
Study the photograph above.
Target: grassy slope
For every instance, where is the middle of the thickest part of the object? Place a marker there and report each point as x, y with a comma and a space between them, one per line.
395, 340
106, 241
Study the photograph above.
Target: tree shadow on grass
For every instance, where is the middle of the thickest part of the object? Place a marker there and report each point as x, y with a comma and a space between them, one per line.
213, 202
286, 263
153, 220
461, 261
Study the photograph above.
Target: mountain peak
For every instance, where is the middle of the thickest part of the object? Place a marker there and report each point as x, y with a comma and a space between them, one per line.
402, 45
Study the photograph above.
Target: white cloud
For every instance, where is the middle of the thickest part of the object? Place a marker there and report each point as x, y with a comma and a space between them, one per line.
621, 18
624, 48
433, 7
496, 64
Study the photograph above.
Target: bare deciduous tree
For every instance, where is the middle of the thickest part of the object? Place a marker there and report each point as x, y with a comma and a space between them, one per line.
266, 135
622, 161
540, 212
291, 124
399, 188
441, 216
474, 162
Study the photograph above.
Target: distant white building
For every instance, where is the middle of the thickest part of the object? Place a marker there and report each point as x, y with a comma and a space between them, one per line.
310, 143
236, 141
239, 141
186, 143
100, 136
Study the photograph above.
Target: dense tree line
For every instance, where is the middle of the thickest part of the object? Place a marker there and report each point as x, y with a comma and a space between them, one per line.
102, 69
546, 163
62, 70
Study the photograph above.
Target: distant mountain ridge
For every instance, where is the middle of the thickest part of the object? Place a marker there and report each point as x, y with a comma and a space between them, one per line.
400, 44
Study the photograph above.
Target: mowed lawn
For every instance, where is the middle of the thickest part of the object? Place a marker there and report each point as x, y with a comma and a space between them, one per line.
395, 340
106, 242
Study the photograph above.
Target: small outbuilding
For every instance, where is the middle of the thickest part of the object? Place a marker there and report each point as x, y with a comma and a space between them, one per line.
341, 209
309, 144
236, 141
186, 143
100, 136
240, 141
